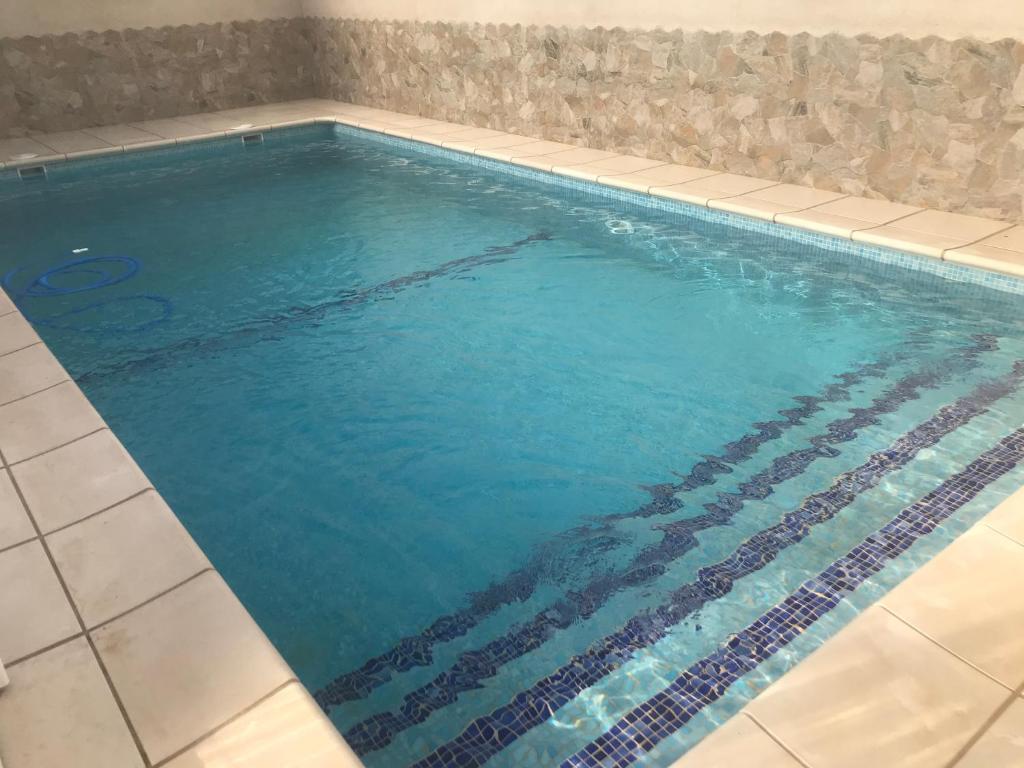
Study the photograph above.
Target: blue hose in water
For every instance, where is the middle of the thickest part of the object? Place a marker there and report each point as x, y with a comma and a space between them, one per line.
104, 275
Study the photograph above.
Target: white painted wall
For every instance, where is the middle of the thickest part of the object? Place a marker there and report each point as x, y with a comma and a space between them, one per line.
42, 17
984, 19
952, 19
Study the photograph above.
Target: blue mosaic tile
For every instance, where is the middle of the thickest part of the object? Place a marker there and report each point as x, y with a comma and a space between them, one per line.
473, 667
707, 681
635, 734
520, 585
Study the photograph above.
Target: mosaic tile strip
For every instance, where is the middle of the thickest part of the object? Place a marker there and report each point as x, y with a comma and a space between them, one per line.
416, 650
268, 328
908, 261
707, 680
489, 734
679, 538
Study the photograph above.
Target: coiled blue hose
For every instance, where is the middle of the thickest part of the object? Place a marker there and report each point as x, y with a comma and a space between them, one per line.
104, 274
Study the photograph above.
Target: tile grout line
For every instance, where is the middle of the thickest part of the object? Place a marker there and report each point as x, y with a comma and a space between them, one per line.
62, 445
775, 216
881, 604
154, 598
41, 651
99, 512
777, 739
9, 547
986, 726
226, 723
78, 616
21, 349
1004, 535
31, 394
877, 226
942, 255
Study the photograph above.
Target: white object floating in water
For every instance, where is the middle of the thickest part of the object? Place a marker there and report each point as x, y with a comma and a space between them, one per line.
79, 250
24, 156
619, 227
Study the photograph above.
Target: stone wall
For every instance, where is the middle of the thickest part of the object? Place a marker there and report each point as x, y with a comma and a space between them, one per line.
927, 122
77, 80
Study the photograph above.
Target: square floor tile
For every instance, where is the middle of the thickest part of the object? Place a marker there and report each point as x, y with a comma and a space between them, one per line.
1002, 745
72, 141
15, 527
17, 149
985, 256
6, 305
120, 558
119, 135
969, 600
532, 149
738, 742
616, 165
169, 129
78, 479
28, 371
34, 611
286, 730
660, 176
702, 191
45, 420
878, 693
15, 333
58, 712
1008, 517
771, 201
187, 663
495, 142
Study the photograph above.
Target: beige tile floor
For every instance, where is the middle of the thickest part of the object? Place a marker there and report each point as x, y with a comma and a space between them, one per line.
125, 648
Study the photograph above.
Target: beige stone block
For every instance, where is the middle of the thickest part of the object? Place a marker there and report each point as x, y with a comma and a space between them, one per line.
15, 333
288, 730
919, 703
968, 599
187, 663
58, 712
738, 742
34, 611
118, 559
78, 479
1002, 745
28, 371
46, 420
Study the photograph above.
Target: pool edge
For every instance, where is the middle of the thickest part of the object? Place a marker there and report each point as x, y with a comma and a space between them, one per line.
1006, 519
173, 627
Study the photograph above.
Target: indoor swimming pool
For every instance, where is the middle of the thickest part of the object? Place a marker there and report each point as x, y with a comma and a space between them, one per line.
517, 470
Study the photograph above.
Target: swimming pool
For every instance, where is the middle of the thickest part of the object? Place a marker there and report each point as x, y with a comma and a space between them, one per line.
495, 461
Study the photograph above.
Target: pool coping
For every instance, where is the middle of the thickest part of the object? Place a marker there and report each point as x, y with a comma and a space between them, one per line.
93, 624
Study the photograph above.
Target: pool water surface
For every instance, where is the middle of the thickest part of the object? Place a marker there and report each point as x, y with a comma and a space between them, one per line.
494, 461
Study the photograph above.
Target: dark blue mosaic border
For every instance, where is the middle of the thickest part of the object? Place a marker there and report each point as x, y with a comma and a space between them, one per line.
489, 734
945, 270
707, 680
416, 650
679, 538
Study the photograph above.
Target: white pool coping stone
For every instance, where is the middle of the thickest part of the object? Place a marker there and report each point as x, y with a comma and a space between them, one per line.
124, 647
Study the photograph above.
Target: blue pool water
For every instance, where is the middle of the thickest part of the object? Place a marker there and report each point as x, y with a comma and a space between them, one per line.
495, 460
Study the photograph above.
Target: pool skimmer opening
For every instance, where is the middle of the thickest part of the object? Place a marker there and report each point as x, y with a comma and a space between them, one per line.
32, 172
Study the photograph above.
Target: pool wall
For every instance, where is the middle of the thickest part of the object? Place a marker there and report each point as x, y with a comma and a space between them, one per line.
935, 121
